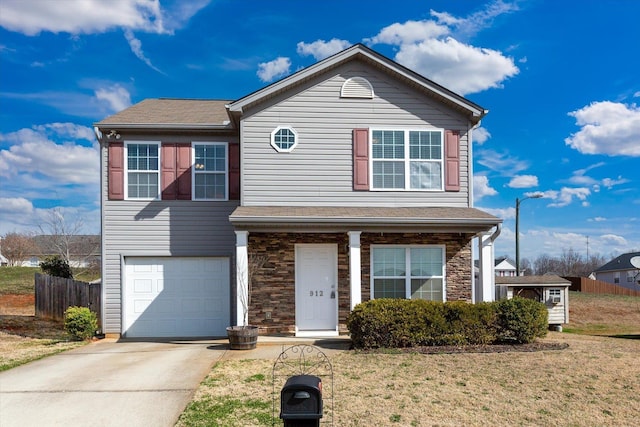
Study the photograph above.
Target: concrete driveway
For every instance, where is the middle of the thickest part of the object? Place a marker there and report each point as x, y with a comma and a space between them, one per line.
108, 383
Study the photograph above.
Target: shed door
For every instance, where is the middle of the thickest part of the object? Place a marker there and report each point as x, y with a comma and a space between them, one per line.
176, 297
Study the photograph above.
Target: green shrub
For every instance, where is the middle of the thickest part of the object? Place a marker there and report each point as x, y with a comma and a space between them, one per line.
521, 320
392, 323
80, 322
56, 266
395, 323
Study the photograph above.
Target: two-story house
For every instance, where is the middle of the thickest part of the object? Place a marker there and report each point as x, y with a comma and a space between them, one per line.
620, 271
350, 179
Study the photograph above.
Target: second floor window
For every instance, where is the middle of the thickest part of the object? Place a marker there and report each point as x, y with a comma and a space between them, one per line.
407, 159
210, 171
143, 173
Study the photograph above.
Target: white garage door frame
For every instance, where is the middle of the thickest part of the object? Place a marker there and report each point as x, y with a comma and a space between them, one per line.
175, 297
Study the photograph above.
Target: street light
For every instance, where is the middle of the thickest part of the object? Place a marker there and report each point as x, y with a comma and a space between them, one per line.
518, 201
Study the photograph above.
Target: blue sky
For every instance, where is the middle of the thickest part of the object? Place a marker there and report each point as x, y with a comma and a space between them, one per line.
560, 79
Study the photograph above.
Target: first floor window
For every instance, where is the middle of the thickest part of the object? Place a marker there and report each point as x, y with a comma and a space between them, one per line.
408, 272
210, 171
143, 173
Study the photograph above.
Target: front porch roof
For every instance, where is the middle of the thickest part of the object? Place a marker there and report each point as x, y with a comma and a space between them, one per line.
378, 219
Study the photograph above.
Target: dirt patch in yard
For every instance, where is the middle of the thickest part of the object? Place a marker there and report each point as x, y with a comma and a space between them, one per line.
23, 337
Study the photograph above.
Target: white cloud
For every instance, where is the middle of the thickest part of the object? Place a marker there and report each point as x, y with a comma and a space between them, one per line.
269, 71
523, 181
460, 67
34, 154
507, 213
613, 239
321, 49
566, 196
433, 49
501, 162
609, 128
481, 187
88, 16
597, 219
610, 183
117, 97
15, 205
481, 135
136, 48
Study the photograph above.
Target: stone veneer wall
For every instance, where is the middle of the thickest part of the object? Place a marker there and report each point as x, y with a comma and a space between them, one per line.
273, 286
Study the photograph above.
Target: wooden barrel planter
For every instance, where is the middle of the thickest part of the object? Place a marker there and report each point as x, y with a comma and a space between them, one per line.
242, 337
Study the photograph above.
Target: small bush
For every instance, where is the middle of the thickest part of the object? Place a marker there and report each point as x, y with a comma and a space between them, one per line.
56, 266
521, 320
80, 322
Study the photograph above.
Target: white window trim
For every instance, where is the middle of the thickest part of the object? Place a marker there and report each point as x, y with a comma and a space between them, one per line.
193, 170
283, 150
407, 294
407, 160
126, 169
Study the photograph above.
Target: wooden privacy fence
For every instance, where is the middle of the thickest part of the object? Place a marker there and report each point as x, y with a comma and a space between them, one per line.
590, 286
55, 294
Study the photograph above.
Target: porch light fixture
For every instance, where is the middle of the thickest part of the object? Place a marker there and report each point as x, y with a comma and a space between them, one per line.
518, 201
113, 134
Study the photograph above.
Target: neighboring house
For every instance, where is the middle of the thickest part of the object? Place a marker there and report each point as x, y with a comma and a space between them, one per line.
84, 250
620, 271
503, 267
351, 178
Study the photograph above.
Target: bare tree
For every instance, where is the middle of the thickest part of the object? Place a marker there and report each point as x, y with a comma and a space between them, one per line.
60, 233
16, 247
569, 263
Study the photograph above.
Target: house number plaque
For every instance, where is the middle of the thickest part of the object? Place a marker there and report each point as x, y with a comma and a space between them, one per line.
316, 293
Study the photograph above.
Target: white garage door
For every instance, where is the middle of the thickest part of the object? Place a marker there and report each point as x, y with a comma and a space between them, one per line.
176, 297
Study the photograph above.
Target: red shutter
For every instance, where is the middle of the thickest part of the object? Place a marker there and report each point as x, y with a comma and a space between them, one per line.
361, 159
168, 172
234, 171
116, 171
452, 160
183, 171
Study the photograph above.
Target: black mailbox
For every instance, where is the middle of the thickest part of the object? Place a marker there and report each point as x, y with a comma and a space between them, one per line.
301, 401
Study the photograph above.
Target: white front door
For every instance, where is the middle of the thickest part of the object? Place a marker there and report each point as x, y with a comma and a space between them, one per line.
316, 289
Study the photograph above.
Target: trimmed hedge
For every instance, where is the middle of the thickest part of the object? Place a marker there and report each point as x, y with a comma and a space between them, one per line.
395, 323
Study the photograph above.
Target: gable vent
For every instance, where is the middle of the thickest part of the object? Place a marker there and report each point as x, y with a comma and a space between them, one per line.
357, 87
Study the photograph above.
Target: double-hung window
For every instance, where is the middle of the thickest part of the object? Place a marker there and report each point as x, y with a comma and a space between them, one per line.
408, 272
210, 171
407, 159
143, 170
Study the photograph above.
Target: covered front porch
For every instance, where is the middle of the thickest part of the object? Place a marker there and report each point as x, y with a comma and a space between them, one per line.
317, 264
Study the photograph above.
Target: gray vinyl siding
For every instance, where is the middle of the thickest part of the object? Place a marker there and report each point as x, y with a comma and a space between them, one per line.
157, 228
318, 172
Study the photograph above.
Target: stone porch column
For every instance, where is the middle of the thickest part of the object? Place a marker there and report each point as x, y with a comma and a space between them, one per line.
355, 268
242, 276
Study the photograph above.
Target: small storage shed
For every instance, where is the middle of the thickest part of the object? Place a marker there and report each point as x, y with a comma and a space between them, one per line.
551, 290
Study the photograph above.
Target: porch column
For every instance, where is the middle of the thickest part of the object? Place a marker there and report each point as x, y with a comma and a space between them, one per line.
242, 277
486, 286
355, 268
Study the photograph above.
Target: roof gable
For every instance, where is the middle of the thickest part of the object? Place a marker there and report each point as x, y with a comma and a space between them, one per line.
623, 262
471, 110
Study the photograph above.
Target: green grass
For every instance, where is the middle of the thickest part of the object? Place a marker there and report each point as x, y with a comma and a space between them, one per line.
19, 280
227, 411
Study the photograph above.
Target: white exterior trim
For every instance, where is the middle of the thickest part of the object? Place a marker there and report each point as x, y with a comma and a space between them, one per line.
242, 275
126, 169
355, 268
226, 170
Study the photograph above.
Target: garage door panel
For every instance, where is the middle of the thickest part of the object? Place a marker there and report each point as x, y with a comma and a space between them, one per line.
173, 297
